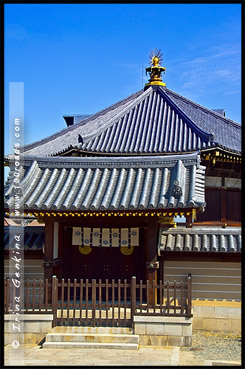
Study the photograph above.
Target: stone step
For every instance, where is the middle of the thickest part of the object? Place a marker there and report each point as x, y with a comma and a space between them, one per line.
92, 337
96, 345
98, 330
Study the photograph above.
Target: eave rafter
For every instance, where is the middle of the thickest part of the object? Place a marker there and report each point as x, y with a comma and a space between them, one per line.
220, 155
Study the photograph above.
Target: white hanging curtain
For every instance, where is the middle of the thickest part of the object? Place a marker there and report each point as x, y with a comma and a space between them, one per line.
96, 237
105, 237
77, 236
124, 237
86, 236
134, 236
115, 237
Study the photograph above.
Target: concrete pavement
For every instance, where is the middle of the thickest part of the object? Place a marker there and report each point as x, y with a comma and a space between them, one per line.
33, 355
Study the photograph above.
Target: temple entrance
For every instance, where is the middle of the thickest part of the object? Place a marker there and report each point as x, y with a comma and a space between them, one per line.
102, 262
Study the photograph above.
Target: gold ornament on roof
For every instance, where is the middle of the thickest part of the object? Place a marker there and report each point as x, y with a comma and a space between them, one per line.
155, 70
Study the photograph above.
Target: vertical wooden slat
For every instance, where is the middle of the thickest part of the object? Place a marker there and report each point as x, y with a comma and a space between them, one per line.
163, 293
160, 295
12, 294
10, 287
133, 298
189, 294
62, 300
40, 294
113, 299
125, 301
181, 298
46, 294
54, 300
167, 302
141, 296
119, 300
7, 295
175, 297
22, 299
93, 301
27, 294
68, 300
147, 296
80, 302
154, 294
86, 303
106, 303
33, 294
74, 301
100, 299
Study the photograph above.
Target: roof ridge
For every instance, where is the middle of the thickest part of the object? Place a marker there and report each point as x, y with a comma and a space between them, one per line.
205, 135
203, 108
117, 117
61, 161
79, 124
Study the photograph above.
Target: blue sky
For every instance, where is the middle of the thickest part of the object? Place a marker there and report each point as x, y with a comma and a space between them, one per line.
79, 59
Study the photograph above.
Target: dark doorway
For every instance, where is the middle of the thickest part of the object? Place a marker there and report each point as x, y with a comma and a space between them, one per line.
103, 262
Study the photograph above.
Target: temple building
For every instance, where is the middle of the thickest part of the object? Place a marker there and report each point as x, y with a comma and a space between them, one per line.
149, 187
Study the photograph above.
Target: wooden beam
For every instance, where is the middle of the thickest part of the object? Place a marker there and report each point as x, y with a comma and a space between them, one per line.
151, 256
48, 252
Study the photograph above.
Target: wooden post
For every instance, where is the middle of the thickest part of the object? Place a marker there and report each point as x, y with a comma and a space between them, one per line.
133, 298
93, 301
189, 295
48, 252
54, 299
151, 255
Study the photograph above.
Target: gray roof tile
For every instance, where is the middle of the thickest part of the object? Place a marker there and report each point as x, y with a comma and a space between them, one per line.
200, 239
34, 238
66, 183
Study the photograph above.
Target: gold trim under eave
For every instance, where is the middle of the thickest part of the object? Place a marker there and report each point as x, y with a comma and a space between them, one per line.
220, 156
158, 213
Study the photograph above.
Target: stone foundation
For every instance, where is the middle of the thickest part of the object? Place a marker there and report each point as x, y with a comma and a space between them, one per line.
163, 331
35, 328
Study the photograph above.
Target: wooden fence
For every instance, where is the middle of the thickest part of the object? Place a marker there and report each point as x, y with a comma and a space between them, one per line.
100, 303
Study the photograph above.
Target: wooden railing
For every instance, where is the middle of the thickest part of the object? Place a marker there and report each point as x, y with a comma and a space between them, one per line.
34, 298
106, 303
169, 298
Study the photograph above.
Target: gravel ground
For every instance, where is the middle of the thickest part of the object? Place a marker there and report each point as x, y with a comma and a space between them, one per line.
207, 345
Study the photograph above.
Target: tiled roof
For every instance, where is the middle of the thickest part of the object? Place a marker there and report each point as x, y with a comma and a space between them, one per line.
68, 137
151, 125
67, 183
226, 133
34, 238
200, 239
152, 121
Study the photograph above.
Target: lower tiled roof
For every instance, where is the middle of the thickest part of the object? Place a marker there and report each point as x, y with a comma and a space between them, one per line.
139, 183
34, 239
200, 239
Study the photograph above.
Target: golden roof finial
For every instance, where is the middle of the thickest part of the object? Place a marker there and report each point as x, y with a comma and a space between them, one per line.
155, 70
